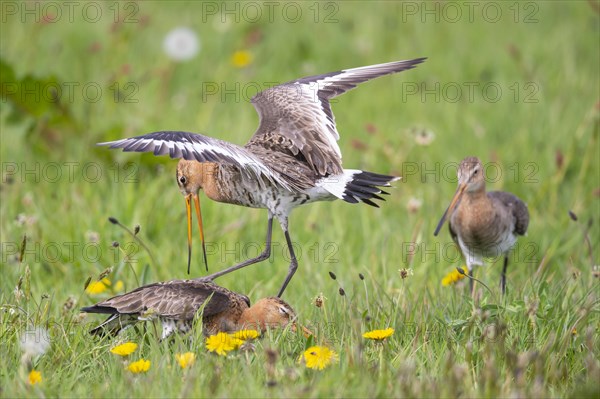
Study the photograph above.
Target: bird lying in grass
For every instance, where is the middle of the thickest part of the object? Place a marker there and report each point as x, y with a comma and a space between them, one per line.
177, 302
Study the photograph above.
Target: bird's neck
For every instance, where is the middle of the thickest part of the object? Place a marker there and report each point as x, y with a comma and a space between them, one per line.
476, 195
211, 183
251, 320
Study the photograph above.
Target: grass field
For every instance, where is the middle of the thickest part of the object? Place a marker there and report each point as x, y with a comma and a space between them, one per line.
516, 84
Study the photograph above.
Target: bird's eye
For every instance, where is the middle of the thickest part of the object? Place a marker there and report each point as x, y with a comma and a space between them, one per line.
182, 179
283, 310
475, 172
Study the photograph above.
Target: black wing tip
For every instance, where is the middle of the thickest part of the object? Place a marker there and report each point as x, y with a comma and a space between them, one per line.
419, 60
396, 66
415, 62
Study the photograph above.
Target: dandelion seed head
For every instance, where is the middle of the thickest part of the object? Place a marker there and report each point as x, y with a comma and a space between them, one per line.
35, 341
181, 44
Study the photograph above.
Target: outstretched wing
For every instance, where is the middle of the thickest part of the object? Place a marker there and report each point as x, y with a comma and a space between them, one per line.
296, 116
197, 147
177, 299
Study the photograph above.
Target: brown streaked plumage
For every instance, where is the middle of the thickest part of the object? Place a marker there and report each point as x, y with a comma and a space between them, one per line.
177, 302
483, 224
292, 159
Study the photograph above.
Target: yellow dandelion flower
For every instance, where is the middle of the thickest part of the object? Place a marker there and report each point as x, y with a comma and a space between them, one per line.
35, 377
245, 335
118, 286
141, 366
96, 287
454, 276
318, 357
241, 58
236, 342
185, 360
379, 335
222, 343
125, 349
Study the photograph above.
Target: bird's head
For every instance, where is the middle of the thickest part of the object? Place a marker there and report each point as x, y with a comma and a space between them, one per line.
470, 175
191, 177
470, 180
271, 312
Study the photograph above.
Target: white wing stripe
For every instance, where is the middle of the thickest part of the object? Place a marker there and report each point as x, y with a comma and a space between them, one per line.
322, 118
187, 146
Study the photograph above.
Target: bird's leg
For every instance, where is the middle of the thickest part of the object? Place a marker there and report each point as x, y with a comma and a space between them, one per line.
503, 278
293, 262
262, 256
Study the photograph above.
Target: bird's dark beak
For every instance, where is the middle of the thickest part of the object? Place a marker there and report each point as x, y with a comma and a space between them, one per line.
450, 209
188, 205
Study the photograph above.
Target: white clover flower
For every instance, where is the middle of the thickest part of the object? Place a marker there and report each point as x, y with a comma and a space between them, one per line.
181, 44
35, 341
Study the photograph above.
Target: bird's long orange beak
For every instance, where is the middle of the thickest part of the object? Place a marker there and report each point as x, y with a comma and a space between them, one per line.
450, 209
305, 331
188, 206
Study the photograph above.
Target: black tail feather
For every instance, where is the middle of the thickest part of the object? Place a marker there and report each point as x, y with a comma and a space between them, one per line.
364, 187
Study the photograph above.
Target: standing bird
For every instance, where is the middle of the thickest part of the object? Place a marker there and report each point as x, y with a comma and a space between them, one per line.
176, 303
483, 224
292, 159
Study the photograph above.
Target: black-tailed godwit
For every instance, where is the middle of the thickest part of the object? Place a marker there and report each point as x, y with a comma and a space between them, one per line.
292, 159
483, 224
175, 303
